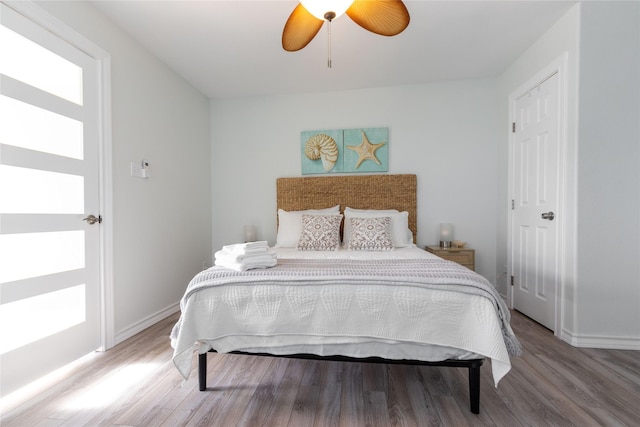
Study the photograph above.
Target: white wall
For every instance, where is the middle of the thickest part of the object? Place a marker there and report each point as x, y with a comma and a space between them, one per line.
162, 224
444, 133
608, 292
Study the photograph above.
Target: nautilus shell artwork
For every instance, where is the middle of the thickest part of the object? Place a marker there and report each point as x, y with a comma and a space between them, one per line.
323, 147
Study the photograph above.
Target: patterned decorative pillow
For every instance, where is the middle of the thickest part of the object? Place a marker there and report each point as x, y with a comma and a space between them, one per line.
370, 234
320, 233
401, 236
290, 224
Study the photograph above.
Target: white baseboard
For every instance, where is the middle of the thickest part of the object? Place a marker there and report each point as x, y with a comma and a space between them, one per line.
145, 323
595, 341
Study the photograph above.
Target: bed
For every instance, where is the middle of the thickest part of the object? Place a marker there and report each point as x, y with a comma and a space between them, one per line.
378, 299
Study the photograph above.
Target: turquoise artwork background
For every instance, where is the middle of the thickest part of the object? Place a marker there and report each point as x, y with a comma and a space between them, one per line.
348, 158
353, 138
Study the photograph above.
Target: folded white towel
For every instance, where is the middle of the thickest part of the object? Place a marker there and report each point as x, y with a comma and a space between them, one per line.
247, 247
240, 256
247, 263
252, 258
246, 256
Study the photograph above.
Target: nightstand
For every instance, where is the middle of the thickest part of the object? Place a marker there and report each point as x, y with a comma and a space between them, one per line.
463, 256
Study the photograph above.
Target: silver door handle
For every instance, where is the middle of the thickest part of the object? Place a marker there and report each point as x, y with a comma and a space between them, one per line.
549, 216
92, 219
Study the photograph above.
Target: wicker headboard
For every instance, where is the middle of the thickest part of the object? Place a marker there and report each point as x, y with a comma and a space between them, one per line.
355, 191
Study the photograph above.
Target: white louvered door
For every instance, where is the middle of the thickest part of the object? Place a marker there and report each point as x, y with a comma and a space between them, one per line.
535, 213
49, 181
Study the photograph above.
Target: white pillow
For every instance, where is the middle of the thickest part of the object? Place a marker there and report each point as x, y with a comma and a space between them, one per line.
370, 234
290, 225
320, 233
401, 236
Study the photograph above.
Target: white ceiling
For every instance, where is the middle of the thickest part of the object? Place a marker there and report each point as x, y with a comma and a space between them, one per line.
233, 48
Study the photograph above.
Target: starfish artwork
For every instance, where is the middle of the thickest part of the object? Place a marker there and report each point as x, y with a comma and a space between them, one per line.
366, 150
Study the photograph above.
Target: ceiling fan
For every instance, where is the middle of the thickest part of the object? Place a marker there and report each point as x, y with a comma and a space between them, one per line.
384, 17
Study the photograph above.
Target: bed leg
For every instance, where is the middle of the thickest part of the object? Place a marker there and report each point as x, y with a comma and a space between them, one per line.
474, 388
202, 371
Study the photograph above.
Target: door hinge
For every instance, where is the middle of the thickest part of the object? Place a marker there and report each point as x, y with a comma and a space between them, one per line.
513, 204
513, 127
512, 280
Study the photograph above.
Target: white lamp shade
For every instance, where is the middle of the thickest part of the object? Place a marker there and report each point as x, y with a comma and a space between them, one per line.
446, 232
250, 233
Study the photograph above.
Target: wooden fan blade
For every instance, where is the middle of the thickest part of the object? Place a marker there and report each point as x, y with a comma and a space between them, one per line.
300, 29
384, 17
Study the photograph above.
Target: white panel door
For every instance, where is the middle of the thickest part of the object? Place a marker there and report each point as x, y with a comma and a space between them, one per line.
49, 182
535, 202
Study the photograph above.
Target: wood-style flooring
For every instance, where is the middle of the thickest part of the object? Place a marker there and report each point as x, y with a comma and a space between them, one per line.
136, 384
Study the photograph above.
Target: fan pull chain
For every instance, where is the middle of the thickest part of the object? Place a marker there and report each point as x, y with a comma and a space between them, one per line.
329, 43
329, 16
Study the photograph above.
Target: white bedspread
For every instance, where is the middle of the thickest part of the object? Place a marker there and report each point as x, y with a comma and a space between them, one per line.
389, 308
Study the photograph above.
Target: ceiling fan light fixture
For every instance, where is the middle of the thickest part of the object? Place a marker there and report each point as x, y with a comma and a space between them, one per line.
384, 17
326, 9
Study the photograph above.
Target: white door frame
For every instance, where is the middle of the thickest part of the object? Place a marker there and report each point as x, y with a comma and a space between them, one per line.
558, 66
62, 30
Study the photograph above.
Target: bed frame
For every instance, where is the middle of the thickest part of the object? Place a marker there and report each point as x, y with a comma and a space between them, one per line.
473, 365
360, 192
